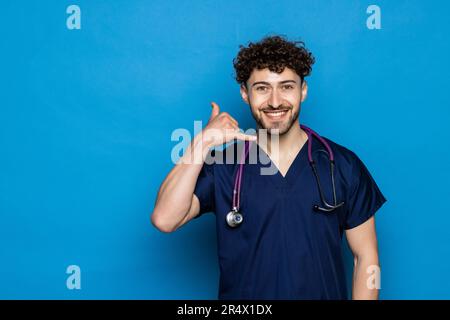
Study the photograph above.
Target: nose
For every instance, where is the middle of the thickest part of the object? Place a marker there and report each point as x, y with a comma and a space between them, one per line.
274, 100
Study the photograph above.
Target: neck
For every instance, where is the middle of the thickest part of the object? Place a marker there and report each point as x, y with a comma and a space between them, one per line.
289, 143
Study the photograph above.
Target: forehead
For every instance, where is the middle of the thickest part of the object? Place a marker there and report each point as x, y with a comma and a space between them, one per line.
269, 76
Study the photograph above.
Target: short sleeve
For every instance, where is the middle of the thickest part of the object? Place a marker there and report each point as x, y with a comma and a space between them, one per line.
204, 189
364, 198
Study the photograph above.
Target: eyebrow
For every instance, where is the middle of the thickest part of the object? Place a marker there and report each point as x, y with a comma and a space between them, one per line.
267, 83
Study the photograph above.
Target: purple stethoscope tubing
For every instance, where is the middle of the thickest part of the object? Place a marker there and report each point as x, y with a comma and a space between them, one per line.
237, 181
327, 207
234, 218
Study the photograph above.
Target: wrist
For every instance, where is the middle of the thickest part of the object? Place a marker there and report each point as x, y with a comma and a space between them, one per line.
200, 148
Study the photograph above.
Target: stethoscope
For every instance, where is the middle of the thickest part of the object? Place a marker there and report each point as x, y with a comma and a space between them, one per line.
235, 218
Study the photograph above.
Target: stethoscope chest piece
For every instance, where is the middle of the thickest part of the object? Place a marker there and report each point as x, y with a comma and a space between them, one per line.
234, 218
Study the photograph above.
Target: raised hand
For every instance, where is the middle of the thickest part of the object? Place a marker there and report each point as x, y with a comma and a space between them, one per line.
222, 128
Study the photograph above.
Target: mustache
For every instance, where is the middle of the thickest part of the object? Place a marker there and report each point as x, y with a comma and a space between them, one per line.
281, 108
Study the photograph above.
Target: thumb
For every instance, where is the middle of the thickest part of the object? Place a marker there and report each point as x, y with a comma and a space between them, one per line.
215, 111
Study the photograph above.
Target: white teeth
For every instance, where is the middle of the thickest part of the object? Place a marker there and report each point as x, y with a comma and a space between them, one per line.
275, 114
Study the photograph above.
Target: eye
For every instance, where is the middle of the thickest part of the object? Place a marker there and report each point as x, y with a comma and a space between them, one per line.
262, 88
288, 86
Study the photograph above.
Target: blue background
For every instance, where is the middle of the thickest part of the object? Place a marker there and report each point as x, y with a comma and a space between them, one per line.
86, 118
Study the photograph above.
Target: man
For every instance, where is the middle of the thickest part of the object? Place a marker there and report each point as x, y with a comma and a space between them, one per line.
283, 249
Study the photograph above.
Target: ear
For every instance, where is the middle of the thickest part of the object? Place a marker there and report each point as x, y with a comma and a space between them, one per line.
304, 90
244, 93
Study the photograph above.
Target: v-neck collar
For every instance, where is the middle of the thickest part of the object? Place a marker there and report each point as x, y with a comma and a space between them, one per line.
295, 169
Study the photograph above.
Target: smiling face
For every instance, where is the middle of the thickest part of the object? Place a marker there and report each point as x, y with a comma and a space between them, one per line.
274, 98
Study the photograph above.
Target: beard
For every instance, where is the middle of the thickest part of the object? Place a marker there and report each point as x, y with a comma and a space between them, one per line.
276, 127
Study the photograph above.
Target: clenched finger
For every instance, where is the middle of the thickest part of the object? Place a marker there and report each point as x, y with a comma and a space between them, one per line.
229, 117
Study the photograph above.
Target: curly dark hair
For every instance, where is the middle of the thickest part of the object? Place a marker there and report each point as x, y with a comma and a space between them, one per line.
275, 53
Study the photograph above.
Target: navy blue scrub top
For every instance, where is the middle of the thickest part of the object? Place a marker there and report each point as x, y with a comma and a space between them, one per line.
284, 249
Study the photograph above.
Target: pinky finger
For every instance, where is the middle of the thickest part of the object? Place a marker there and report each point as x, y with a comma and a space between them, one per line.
244, 137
